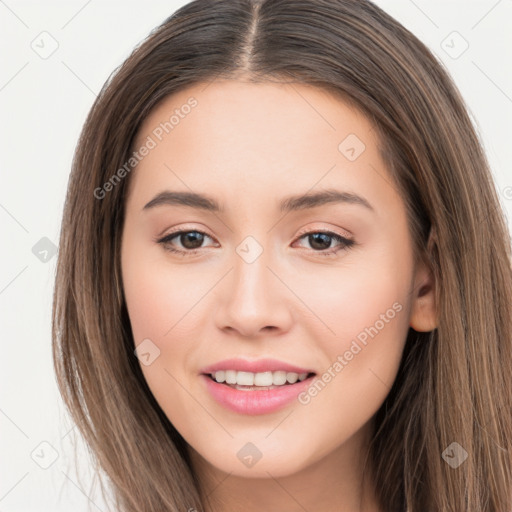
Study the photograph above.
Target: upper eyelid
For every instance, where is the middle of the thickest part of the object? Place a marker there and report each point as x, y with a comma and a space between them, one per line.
180, 231
344, 233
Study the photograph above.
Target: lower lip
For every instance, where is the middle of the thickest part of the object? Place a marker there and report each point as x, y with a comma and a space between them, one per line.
255, 402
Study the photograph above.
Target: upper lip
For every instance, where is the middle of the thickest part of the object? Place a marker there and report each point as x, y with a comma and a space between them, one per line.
255, 366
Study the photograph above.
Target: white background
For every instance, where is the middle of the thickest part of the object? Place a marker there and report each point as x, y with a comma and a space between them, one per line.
44, 103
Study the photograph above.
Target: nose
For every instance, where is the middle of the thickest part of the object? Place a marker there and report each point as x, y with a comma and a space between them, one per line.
254, 299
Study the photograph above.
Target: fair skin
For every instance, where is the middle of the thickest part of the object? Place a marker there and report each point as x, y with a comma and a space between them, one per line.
248, 146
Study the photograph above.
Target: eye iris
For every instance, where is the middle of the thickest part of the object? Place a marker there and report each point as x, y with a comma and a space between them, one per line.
194, 237
192, 240
325, 241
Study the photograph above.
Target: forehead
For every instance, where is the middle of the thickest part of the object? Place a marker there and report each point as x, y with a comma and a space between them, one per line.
263, 116
235, 139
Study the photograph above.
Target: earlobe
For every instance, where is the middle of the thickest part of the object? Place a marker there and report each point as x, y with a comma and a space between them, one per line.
424, 308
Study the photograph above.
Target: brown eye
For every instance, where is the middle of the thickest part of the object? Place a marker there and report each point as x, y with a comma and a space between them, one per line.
190, 241
320, 242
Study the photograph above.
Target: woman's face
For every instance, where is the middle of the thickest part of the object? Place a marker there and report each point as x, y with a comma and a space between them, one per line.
269, 176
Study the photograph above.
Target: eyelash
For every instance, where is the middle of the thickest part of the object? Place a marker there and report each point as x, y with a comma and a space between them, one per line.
345, 242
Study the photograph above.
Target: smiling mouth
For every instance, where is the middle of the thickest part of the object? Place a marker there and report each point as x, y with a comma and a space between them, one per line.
255, 393
264, 381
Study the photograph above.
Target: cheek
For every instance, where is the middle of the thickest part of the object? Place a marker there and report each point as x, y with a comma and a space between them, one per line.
348, 301
161, 309
366, 311
165, 306
161, 300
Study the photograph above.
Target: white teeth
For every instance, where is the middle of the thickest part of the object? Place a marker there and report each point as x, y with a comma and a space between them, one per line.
292, 377
230, 376
278, 378
246, 379
263, 379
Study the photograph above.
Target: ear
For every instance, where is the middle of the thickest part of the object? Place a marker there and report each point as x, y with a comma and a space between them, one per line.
424, 317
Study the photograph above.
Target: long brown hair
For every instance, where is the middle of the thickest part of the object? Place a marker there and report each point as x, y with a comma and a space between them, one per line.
454, 384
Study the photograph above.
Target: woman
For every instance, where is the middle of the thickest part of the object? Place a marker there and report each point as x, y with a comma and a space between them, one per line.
284, 275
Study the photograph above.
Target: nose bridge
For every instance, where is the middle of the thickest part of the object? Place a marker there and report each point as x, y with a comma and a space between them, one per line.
251, 274
254, 296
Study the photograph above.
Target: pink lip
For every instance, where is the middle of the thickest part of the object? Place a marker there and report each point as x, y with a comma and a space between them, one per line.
258, 366
255, 402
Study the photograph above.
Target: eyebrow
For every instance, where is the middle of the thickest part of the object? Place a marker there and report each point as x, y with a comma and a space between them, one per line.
288, 204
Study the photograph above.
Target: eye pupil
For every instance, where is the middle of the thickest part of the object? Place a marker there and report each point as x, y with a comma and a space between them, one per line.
314, 238
191, 236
